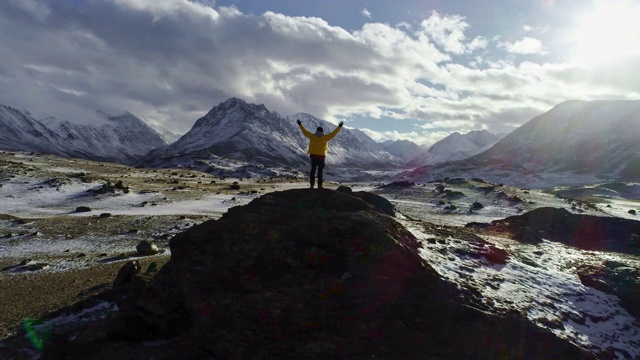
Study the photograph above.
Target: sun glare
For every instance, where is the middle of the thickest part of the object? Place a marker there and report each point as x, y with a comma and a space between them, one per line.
611, 31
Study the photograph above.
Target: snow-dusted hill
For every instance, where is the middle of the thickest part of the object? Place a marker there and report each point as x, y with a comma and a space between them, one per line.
456, 147
123, 138
576, 142
403, 149
247, 132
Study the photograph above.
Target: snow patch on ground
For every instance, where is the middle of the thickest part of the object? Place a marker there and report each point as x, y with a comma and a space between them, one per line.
68, 319
537, 281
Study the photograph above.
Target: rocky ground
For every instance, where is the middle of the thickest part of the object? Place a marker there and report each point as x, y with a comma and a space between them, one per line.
67, 227
53, 253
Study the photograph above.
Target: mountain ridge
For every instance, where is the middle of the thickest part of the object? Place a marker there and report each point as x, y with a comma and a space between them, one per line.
123, 138
249, 132
575, 142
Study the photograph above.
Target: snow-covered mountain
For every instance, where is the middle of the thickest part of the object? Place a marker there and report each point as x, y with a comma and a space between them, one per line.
123, 138
456, 146
403, 149
575, 142
247, 132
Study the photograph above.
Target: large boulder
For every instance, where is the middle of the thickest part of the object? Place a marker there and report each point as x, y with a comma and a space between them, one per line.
147, 248
323, 274
582, 231
313, 274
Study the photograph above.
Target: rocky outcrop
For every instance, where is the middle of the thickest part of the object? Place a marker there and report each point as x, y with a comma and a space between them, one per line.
311, 274
582, 231
585, 232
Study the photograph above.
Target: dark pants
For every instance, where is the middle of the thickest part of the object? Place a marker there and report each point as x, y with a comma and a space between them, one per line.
316, 164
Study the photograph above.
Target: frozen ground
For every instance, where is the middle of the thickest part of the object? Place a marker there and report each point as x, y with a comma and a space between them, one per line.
39, 226
539, 281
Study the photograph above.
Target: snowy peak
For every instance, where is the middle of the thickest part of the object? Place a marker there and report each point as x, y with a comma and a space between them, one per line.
247, 132
601, 138
575, 142
403, 149
456, 146
123, 138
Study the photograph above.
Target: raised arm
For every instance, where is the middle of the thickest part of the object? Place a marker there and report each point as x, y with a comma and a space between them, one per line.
304, 131
330, 135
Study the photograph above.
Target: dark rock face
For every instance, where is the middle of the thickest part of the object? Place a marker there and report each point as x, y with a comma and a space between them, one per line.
320, 274
310, 274
582, 231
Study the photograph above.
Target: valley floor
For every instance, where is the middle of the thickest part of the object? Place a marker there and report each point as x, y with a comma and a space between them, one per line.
53, 255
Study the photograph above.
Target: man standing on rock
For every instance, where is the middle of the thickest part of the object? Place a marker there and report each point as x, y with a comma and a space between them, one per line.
318, 144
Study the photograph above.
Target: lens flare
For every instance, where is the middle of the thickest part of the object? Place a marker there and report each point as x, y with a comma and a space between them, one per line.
38, 337
608, 32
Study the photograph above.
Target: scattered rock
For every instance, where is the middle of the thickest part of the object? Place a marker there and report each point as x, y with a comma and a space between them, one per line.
514, 199
476, 206
146, 248
83, 209
153, 267
632, 212
451, 194
126, 273
234, 186
399, 184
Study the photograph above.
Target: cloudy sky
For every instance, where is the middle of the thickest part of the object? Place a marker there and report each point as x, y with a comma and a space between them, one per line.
400, 69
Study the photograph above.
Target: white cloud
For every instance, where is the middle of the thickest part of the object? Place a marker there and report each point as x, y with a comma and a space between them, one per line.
426, 138
449, 124
525, 46
529, 28
448, 31
170, 61
366, 13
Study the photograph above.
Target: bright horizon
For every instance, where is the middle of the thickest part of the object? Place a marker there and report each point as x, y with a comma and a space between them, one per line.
415, 70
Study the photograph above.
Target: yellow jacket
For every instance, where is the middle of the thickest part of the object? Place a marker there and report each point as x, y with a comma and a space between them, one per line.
318, 144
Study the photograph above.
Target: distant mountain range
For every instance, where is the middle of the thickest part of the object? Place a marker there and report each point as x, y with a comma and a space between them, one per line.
574, 142
456, 147
123, 139
248, 135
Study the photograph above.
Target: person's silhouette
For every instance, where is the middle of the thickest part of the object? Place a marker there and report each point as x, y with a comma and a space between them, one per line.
318, 144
